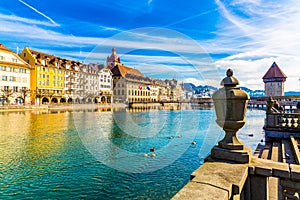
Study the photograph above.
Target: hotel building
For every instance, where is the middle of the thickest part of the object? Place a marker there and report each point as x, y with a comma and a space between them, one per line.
14, 78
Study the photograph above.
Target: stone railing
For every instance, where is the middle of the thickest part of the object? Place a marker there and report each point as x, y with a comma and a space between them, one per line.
283, 120
259, 180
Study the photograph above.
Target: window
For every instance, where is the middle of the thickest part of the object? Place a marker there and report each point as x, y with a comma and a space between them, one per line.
15, 89
11, 78
6, 88
1, 57
14, 60
24, 54
24, 80
122, 92
4, 78
3, 68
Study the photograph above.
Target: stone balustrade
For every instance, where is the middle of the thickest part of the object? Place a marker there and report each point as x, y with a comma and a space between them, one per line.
283, 120
258, 180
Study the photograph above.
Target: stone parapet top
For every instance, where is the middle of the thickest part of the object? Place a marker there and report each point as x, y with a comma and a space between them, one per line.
217, 179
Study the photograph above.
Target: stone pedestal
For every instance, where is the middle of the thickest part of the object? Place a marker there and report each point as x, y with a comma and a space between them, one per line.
239, 156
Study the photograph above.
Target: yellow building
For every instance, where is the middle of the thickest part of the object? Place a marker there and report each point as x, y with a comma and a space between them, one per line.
14, 78
46, 78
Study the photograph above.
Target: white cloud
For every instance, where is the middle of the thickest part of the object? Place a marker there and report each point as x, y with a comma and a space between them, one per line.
259, 33
14, 18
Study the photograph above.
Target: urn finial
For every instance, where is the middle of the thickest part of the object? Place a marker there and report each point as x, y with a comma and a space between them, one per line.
230, 106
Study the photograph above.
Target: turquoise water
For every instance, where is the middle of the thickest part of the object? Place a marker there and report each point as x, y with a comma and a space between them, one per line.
102, 155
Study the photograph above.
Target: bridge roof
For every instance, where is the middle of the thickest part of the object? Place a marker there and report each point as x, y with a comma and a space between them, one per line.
274, 72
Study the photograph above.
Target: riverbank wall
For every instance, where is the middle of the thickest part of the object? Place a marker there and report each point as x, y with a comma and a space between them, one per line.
14, 108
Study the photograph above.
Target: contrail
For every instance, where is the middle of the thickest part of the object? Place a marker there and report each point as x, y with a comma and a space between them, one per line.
34, 9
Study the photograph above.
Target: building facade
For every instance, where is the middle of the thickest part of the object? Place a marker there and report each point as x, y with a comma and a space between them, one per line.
130, 85
15, 78
274, 81
89, 92
58, 80
105, 84
46, 77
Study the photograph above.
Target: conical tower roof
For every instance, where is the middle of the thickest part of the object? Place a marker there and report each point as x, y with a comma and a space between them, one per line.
274, 73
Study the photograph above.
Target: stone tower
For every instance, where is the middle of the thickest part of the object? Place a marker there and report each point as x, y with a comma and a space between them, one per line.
274, 81
113, 59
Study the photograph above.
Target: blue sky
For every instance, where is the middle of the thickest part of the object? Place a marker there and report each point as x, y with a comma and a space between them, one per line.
193, 41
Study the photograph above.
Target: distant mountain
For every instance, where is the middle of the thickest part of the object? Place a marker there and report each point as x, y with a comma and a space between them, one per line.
189, 87
254, 93
200, 90
207, 90
292, 93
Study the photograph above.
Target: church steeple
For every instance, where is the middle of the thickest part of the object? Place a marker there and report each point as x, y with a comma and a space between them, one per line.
113, 59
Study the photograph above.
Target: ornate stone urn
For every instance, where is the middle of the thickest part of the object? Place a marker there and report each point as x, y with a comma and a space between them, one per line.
230, 105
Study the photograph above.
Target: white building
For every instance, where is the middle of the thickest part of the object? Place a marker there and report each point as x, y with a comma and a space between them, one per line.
72, 83
105, 84
15, 78
88, 83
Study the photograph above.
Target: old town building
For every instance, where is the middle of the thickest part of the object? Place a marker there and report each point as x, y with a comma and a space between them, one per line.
105, 84
130, 85
58, 80
15, 78
88, 79
46, 78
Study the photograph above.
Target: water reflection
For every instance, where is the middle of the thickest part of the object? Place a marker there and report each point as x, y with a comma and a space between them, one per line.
60, 154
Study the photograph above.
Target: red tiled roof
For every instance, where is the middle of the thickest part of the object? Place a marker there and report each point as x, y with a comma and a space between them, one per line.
274, 72
122, 70
4, 48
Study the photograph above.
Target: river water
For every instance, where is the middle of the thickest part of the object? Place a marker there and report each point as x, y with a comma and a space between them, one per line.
94, 154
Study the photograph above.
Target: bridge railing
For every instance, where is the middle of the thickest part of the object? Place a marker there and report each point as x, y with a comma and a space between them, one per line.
283, 121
